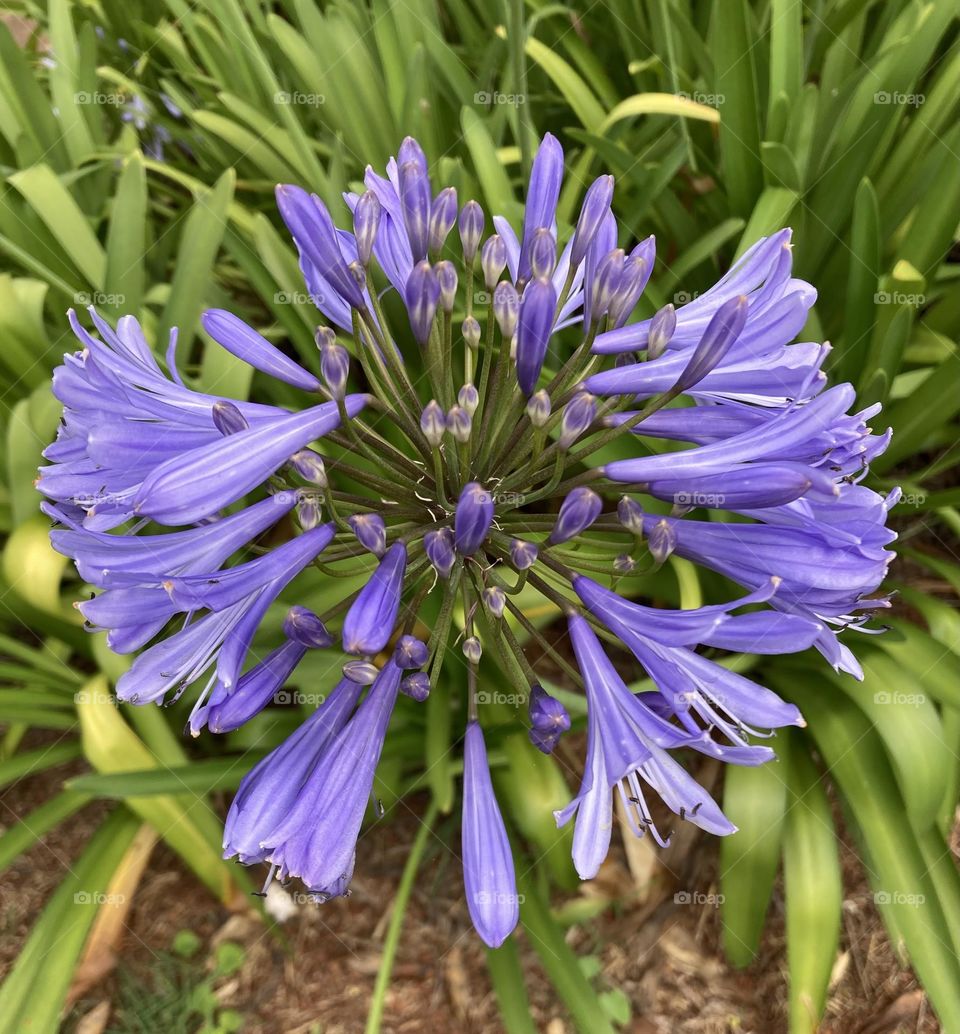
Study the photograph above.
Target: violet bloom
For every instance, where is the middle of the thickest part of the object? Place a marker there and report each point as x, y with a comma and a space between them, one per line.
488, 875
707, 428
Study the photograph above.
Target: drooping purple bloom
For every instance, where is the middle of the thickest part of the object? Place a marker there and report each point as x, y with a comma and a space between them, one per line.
488, 874
245, 343
315, 837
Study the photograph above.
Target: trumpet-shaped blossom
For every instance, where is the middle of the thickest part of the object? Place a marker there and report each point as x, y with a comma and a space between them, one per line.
556, 433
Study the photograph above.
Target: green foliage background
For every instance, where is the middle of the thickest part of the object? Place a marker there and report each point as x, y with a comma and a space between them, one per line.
721, 122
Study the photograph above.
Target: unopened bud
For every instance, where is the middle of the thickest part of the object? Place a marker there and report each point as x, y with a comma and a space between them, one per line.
310, 467
370, 530
459, 424
416, 686
469, 398
227, 419
662, 326
443, 214
493, 259
471, 230
447, 278
539, 408
470, 328
472, 649
363, 673
495, 599
433, 423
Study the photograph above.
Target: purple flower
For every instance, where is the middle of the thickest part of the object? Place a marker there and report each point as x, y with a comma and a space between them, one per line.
315, 836
707, 427
534, 326
370, 620
488, 875
473, 518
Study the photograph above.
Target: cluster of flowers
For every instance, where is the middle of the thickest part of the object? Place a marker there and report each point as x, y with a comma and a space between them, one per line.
485, 489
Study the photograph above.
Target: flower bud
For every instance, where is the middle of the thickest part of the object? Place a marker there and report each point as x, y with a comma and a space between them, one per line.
493, 259
310, 467
633, 280
227, 419
447, 279
623, 564
578, 511
415, 206
578, 415
470, 328
459, 424
471, 230
366, 222
630, 515
596, 204
539, 408
546, 712
304, 627
334, 368
363, 673
433, 423
606, 282
411, 652
308, 511
534, 326
422, 294
472, 649
522, 554
721, 334
469, 398
495, 600
416, 686
438, 545
506, 308
370, 530
473, 518
662, 541
443, 214
543, 253
662, 326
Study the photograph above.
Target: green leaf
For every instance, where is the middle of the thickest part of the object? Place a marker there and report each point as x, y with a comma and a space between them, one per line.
558, 960
506, 975
813, 888
202, 233
127, 237
754, 799
46, 194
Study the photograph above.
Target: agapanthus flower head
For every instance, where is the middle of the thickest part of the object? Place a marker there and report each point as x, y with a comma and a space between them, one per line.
195, 516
